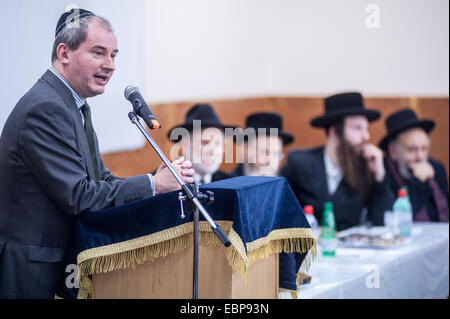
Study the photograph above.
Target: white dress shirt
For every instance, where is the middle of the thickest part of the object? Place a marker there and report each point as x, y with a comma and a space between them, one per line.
198, 179
334, 174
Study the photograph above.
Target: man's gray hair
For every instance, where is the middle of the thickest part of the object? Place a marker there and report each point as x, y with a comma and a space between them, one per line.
73, 35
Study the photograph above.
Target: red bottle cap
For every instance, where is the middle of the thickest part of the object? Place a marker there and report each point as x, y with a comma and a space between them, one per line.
401, 192
308, 210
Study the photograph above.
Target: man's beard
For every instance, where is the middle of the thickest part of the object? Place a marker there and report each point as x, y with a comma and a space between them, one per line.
404, 171
354, 168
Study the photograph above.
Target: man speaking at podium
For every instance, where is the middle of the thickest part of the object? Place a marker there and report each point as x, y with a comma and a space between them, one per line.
50, 165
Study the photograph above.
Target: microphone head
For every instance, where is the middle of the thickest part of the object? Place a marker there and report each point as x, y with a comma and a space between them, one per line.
129, 90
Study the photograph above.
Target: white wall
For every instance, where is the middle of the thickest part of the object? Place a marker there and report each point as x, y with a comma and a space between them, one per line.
232, 48
321, 48
205, 49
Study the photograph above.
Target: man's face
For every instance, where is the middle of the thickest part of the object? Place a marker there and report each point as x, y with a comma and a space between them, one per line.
264, 153
90, 67
356, 131
411, 146
206, 149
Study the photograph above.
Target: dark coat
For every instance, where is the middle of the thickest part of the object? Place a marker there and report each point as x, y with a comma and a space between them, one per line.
219, 175
305, 172
46, 178
238, 171
421, 194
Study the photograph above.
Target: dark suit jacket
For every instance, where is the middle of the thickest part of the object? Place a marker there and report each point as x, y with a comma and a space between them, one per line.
238, 171
305, 172
219, 175
423, 200
46, 178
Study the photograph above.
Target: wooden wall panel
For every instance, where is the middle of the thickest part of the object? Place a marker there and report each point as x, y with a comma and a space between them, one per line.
297, 113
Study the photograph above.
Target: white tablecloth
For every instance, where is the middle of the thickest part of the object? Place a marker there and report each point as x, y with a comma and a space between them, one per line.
417, 269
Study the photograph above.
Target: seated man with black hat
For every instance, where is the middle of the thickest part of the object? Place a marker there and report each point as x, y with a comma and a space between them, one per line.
348, 170
263, 142
407, 162
201, 139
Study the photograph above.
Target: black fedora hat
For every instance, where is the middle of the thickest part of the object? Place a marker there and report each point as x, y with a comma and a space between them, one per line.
203, 112
401, 121
344, 104
268, 120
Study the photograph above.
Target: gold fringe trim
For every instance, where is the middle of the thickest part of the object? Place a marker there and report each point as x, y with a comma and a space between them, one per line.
301, 276
176, 239
293, 292
289, 240
86, 290
139, 250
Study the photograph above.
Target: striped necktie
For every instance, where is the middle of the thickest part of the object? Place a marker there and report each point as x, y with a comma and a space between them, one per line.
88, 128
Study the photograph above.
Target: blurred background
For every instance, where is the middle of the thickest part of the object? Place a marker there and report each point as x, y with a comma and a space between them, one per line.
243, 56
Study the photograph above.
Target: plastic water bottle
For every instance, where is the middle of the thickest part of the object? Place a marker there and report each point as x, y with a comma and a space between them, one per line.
403, 213
328, 239
309, 213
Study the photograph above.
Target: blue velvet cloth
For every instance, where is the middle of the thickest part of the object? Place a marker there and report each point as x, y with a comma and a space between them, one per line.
256, 205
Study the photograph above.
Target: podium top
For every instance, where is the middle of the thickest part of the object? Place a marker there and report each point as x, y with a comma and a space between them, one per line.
261, 215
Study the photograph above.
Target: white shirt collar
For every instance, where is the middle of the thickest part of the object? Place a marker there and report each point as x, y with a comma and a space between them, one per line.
334, 174
255, 171
197, 179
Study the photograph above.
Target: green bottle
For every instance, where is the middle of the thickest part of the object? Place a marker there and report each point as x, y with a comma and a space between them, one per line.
328, 240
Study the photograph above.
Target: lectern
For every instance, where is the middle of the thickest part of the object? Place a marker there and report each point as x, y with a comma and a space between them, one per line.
171, 277
144, 249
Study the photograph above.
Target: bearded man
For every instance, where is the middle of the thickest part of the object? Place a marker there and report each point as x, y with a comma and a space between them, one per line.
348, 170
407, 147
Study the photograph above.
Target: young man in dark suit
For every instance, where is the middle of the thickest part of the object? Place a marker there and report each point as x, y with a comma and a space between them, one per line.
263, 141
50, 165
201, 139
347, 171
262, 150
407, 145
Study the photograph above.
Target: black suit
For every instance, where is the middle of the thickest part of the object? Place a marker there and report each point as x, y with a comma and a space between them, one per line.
46, 178
305, 172
219, 175
238, 171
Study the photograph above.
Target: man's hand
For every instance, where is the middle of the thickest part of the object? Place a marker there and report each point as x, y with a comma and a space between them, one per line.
422, 170
164, 180
374, 157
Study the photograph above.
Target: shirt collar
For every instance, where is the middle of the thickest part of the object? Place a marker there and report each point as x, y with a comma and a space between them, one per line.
331, 170
79, 101
197, 178
256, 171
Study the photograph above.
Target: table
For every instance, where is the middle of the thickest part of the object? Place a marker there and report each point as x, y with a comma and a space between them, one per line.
417, 269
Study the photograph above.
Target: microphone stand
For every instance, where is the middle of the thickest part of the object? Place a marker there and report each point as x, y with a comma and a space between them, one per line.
193, 195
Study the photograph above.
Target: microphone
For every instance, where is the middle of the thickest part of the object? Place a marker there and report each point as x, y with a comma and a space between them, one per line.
133, 94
